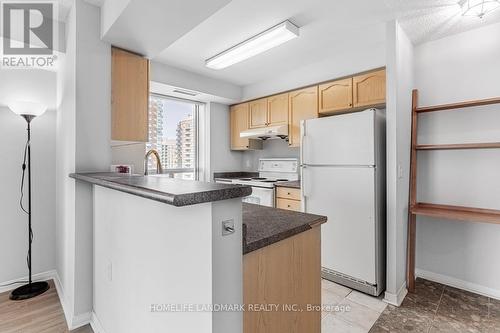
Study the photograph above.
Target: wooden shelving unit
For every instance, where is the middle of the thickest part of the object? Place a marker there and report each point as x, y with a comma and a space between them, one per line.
457, 213
485, 145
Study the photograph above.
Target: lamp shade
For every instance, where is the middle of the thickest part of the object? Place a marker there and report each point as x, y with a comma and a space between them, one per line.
24, 108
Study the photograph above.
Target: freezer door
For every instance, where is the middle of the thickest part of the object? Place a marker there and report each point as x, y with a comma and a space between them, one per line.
339, 140
347, 197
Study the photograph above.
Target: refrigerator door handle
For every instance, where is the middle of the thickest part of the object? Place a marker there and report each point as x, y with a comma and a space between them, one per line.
303, 188
303, 182
302, 140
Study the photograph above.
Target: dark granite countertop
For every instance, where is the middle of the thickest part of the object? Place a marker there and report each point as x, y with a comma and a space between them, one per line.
264, 226
291, 184
176, 192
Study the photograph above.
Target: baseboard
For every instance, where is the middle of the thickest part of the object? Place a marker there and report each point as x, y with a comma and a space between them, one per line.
453, 282
80, 320
396, 299
73, 321
96, 324
43, 276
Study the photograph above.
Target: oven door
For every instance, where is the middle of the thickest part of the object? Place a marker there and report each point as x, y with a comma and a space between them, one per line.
261, 196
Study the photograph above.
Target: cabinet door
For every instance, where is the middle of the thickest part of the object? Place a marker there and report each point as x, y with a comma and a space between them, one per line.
302, 104
369, 89
335, 96
129, 96
277, 110
258, 113
239, 123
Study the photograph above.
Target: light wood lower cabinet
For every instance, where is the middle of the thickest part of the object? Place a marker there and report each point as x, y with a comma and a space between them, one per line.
286, 273
288, 193
302, 105
288, 204
288, 198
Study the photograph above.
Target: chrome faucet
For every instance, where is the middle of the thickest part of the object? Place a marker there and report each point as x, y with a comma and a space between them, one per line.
159, 168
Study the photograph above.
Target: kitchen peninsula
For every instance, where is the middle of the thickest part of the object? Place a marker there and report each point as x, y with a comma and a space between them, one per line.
160, 241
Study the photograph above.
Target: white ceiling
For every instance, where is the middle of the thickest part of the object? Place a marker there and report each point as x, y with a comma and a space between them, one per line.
426, 20
325, 27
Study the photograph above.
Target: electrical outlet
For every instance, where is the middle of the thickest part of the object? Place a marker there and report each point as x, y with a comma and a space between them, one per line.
109, 271
227, 227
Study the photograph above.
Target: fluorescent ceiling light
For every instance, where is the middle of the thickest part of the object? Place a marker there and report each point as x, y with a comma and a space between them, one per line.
478, 8
264, 41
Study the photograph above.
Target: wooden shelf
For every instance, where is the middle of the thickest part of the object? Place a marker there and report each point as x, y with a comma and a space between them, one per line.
457, 213
460, 105
483, 145
433, 210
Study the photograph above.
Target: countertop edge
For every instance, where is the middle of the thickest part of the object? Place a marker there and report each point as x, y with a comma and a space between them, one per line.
265, 242
180, 200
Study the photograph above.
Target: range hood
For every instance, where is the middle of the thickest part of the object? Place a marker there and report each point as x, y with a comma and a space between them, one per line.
264, 133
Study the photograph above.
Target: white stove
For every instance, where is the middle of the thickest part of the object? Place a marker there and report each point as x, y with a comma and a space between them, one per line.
271, 171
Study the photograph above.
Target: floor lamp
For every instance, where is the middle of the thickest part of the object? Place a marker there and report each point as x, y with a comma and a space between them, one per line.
28, 110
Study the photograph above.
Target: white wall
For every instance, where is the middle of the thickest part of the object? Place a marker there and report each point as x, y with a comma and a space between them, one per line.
400, 78
221, 156
457, 68
14, 222
83, 145
65, 164
274, 148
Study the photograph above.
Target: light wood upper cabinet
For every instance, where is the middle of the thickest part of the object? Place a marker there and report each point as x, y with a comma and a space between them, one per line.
302, 104
335, 96
258, 113
129, 96
239, 123
277, 110
369, 89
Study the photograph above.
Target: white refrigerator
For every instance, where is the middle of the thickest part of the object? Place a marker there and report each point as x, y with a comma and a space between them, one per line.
343, 177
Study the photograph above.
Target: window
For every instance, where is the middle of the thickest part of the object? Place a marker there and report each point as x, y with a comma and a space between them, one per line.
173, 128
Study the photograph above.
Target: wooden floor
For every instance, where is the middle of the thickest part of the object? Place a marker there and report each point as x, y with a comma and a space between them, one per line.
42, 314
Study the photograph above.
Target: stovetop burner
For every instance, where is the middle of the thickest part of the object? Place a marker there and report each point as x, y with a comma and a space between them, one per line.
263, 180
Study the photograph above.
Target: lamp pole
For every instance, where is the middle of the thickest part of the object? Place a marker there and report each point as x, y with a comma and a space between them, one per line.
30, 239
31, 289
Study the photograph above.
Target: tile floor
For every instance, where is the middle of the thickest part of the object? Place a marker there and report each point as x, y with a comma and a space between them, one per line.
435, 308
348, 311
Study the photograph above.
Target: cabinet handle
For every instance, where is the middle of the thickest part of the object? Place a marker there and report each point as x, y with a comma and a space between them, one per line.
289, 193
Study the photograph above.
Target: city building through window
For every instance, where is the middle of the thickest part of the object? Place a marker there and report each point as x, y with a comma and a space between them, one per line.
173, 134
